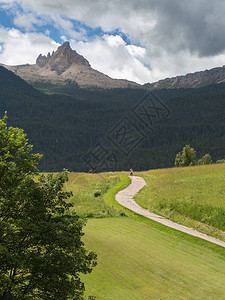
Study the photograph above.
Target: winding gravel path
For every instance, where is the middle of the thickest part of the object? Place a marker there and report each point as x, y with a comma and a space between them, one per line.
125, 198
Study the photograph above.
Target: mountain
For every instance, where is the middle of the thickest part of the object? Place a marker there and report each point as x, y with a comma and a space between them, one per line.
66, 67
106, 129
192, 80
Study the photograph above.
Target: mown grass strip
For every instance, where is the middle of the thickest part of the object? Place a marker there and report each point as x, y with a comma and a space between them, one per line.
109, 197
139, 261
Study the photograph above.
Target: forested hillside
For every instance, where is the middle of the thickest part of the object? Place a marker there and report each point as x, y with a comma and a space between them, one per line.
114, 129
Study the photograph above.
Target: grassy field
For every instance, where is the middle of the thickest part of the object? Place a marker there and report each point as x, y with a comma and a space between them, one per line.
138, 261
193, 196
138, 258
88, 191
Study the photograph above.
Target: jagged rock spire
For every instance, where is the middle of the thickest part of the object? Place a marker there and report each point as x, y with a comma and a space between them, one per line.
62, 59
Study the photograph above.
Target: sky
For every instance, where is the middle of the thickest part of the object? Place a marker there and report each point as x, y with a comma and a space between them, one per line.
138, 40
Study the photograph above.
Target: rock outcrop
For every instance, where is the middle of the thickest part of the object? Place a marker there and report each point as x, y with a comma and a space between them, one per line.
67, 66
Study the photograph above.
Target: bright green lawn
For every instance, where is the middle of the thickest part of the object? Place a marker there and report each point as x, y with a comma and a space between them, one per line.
138, 261
186, 194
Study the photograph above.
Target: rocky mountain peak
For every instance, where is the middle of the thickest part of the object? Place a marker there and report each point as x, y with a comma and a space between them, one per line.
61, 59
66, 67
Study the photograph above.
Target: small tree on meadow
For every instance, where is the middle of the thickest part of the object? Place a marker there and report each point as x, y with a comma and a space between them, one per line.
186, 158
205, 160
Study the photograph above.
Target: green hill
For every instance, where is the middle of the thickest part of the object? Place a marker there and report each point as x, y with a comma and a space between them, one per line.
192, 196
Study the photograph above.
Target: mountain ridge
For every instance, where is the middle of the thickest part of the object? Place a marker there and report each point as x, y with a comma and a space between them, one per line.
190, 80
65, 66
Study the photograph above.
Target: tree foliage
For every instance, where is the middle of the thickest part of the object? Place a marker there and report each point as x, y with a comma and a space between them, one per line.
186, 158
83, 118
205, 160
41, 251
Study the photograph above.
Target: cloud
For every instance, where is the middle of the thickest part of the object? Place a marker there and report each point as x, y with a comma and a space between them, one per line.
192, 25
111, 55
22, 48
28, 21
66, 26
167, 38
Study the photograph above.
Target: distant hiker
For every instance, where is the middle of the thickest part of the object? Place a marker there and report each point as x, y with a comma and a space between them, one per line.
90, 171
131, 172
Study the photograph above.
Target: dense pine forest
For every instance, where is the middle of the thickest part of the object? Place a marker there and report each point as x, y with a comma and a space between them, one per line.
116, 129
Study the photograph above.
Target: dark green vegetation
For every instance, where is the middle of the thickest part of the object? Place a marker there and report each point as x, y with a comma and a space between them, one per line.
41, 252
67, 123
193, 196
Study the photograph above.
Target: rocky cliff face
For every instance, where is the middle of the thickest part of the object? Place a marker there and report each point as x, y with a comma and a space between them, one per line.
192, 80
67, 66
62, 59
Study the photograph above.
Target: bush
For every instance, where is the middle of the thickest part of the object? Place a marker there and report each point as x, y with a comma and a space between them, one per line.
205, 160
97, 193
220, 161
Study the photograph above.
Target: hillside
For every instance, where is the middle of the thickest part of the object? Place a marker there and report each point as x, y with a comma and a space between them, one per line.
192, 196
67, 67
78, 131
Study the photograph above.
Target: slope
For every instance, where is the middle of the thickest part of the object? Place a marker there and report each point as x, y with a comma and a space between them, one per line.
141, 259
101, 129
192, 196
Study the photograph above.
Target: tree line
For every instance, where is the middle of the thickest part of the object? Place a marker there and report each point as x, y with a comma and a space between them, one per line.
69, 124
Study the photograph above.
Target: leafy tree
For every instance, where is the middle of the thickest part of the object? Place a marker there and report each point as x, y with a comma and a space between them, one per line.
205, 160
41, 252
186, 158
220, 161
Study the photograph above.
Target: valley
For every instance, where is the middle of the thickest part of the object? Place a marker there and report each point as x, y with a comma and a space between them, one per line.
112, 150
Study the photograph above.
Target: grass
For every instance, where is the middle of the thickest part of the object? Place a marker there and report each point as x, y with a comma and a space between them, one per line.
138, 261
137, 257
193, 196
89, 191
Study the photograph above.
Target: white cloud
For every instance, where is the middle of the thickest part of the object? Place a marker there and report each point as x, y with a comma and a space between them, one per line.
67, 27
27, 21
175, 37
136, 51
22, 48
112, 56
114, 41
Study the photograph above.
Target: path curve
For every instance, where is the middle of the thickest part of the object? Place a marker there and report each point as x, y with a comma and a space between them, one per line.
125, 198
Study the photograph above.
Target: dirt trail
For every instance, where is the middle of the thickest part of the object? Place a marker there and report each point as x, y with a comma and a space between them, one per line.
125, 198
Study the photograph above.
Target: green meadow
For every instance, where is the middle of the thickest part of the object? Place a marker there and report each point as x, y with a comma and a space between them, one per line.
139, 258
193, 196
89, 193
